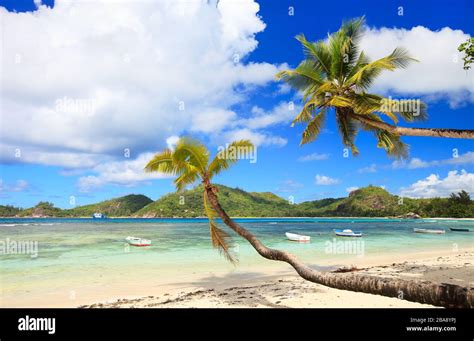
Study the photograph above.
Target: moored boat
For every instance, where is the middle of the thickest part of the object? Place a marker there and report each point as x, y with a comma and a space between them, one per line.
458, 229
99, 216
348, 233
135, 241
431, 231
297, 237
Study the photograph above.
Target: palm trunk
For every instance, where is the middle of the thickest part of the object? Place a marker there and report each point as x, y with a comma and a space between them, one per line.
445, 295
402, 131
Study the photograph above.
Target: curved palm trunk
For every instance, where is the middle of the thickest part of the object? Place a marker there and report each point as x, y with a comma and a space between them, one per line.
433, 132
446, 295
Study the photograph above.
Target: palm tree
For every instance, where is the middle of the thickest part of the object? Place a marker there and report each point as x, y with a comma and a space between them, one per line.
336, 75
189, 162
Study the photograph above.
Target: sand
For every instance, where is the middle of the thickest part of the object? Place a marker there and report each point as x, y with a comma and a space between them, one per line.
287, 290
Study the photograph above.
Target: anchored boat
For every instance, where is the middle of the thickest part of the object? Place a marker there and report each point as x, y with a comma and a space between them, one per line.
456, 229
138, 241
348, 233
99, 216
431, 231
297, 237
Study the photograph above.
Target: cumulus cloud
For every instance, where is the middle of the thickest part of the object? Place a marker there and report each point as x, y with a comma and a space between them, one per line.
125, 173
414, 163
84, 80
435, 186
284, 112
18, 186
313, 157
324, 180
439, 72
257, 138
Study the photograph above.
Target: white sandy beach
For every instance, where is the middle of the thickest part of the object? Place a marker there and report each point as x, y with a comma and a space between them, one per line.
288, 290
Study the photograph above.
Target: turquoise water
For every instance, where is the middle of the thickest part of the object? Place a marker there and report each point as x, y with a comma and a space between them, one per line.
81, 252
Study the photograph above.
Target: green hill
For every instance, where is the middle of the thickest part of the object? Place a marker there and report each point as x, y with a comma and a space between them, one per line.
41, 210
118, 207
236, 202
9, 211
369, 201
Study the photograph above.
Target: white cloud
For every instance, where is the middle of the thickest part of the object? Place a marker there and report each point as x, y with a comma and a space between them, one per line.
440, 70
414, 163
172, 141
369, 169
257, 138
19, 186
135, 73
351, 189
125, 173
324, 180
282, 113
435, 186
313, 157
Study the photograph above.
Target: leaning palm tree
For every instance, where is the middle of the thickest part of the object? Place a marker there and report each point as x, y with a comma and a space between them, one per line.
335, 77
189, 162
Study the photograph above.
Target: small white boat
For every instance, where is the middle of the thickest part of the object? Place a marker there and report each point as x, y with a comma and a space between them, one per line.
99, 216
348, 233
297, 237
138, 241
429, 231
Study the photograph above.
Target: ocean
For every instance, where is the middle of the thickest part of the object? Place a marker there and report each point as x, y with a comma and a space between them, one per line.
41, 258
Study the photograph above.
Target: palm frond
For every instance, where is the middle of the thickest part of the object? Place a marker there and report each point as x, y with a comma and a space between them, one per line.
365, 76
186, 178
313, 127
392, 143
219, 238
348, 129
318, 53
340, 101
192, 152
365, 103
162, 162
303, 76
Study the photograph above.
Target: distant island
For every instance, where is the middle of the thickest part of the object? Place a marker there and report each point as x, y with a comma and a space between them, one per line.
370, 201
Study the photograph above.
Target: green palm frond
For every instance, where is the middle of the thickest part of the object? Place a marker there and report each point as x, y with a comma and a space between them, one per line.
318, 53
303, 76
386, 140
219, 238
365, 76
190, 176
365, 103
353, 31
348, 129
192, 152
163, 162
226, 157
313, 128
340, 101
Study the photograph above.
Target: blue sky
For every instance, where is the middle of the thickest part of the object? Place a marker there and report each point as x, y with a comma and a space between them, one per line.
220, 69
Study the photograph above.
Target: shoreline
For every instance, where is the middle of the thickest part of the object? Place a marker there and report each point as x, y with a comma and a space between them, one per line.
290, 291
289, 218
263, 283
